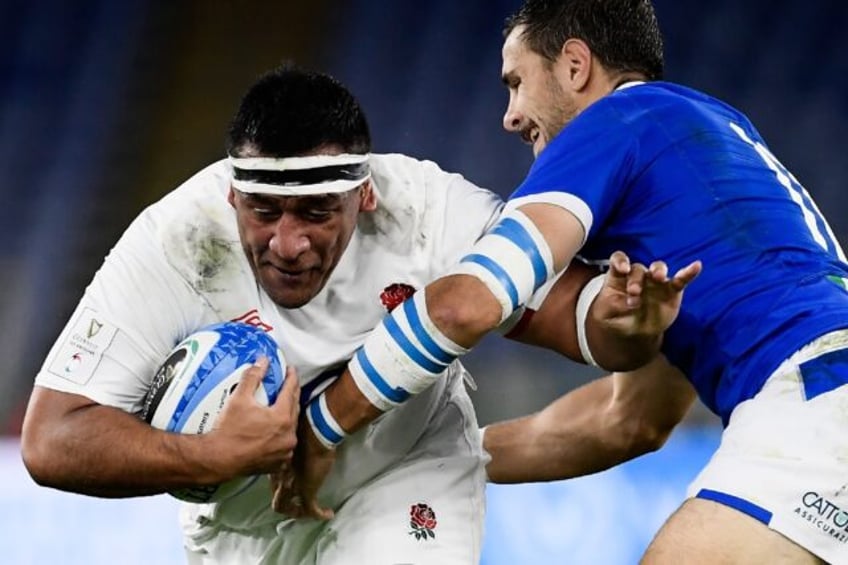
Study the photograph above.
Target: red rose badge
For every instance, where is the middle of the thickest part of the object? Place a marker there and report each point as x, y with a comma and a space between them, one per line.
422, 520
394, 294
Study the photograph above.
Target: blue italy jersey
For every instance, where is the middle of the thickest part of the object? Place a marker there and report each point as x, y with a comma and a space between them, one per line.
664, 172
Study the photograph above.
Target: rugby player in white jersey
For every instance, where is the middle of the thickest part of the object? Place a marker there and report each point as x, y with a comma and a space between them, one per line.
304, 233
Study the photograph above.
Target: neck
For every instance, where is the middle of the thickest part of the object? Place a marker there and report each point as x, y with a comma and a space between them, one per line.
623, 79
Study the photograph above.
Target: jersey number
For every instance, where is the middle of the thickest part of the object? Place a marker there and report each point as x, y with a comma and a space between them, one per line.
812, 215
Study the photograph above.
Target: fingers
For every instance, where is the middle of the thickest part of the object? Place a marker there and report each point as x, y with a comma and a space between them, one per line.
315, 510
252, 378
619, 263
285, 500
635, 283
633, 278
288, 400
686, 275
619, 268
658, 271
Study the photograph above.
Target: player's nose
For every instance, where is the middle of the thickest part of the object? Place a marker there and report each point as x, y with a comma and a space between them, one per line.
513, 119
289, 240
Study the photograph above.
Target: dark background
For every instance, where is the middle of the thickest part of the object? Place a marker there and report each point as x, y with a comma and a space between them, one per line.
106, 105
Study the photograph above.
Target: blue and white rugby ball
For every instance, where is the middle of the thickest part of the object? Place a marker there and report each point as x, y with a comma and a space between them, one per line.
192, 386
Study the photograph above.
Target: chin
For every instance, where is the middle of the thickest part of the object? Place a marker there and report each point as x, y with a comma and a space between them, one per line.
289, 299
290, 303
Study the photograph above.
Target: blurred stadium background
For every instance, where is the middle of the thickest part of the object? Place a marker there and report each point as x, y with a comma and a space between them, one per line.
105, 106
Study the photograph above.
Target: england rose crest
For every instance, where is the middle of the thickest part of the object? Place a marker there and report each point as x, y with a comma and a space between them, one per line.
422, 521
394, 294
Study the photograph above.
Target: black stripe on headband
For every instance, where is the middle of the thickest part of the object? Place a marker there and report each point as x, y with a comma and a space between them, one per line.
297, 177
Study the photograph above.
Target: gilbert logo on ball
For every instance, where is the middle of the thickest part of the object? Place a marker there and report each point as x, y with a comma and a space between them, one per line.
192, 386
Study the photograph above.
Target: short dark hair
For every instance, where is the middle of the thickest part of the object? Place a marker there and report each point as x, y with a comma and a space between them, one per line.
291, 112
623, 34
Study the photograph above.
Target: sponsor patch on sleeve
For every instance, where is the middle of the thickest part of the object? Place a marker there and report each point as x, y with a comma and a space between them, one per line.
83, 347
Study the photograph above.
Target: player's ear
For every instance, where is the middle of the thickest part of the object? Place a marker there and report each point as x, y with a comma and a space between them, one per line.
231, 197
576, 64
368, 199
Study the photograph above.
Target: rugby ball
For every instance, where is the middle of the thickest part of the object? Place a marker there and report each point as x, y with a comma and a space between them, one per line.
193, 384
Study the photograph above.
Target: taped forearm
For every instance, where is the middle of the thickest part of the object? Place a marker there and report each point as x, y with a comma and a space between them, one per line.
403, 356
411, 348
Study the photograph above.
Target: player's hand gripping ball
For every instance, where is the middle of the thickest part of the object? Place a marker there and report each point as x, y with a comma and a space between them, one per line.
192, 386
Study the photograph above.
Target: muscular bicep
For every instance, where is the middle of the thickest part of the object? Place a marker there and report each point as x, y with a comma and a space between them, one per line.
552, 324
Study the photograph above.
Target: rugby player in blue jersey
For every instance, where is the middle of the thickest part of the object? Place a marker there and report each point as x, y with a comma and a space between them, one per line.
660, 171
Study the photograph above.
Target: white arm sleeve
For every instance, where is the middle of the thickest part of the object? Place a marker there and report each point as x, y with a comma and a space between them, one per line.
135, 310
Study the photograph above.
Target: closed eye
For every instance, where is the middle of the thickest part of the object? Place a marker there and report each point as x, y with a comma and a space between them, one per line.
511, 80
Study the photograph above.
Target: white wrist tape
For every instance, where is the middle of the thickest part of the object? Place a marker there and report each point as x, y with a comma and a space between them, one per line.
402, 356
513, 260
584, 302
326, 428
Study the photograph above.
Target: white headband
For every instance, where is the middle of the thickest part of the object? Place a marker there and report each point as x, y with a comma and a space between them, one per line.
300, 176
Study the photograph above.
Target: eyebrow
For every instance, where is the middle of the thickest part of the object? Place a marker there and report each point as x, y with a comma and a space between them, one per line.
329, 198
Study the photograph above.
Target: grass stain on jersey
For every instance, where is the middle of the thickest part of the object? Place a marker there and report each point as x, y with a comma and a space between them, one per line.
211, 255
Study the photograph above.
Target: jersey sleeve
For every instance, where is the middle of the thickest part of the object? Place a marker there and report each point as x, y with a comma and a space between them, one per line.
585, 169
464, 212
135, 310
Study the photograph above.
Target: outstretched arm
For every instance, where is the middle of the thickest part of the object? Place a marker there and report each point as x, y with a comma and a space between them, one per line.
413, 346
454, 312
592, 428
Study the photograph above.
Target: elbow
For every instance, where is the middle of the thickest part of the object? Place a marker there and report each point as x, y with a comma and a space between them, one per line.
651, 438
35, 457
40, 453
640, 436
463, 309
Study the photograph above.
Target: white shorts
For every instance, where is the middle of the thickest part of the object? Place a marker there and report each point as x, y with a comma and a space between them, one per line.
429, 512
783, 458
427, 509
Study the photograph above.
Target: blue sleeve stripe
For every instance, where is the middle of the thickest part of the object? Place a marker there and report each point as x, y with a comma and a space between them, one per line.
513, 230
410, 349
498, 272
396, 395
321, 423
433, 348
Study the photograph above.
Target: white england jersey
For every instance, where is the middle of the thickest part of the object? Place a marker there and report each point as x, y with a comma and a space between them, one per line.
180, 266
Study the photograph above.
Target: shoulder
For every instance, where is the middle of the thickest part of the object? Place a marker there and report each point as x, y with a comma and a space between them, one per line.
397, 172
193, 227
417, 192
666, 106
206, 189
402, 180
